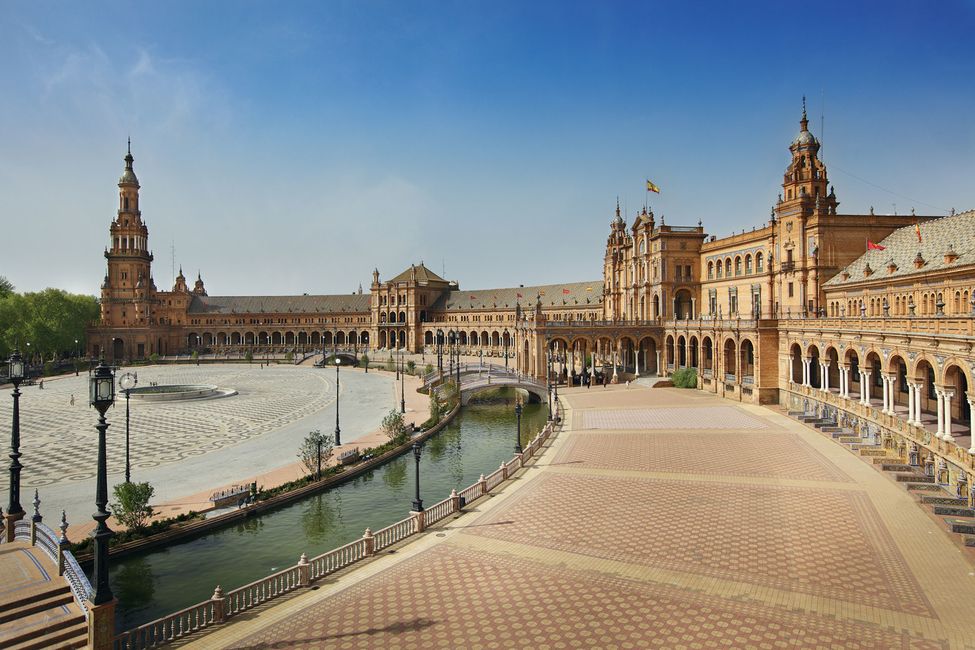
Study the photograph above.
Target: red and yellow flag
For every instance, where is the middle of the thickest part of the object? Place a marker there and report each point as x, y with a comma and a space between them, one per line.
651, 187
917, 229
874, 247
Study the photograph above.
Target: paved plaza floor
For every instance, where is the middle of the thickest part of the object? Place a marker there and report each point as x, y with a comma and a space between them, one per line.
657, 518
186, 447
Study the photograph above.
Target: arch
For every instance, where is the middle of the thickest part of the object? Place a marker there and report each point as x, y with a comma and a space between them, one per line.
249, 338
727, 267
382, 318
495, 339
669, 351
276, 338
737, 265
656, 306
327, 338
957, 382
730, 359
340, 338
707, 356
235, 338
748, 264
118, 349
924, 375
815, 378
795, 356
485, 338
897, 367
302, 338
207, 339
746, 362
874, 366
263, 338
832, 360
428, 337
683, 305
289, 338
316, 338
402, 339
364, 339
382, 339
759, 262
693, 362
402, 317
648, 354
681, 352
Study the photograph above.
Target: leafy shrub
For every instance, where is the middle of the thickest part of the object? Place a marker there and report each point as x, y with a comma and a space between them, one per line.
684, 378
131, 505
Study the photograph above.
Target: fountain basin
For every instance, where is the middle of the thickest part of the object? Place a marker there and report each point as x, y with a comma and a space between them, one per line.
179, 392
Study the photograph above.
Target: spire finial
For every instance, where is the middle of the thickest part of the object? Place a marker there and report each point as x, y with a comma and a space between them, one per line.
803, 107
130, 145
617, 206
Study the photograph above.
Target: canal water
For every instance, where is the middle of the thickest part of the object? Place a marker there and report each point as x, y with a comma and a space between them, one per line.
162, 581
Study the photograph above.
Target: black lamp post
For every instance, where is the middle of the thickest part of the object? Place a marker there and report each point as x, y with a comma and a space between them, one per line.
548, 373
450, 354
399, 358
457, 350
518, 449
440, 352
506, 349
418, 502
324, 353
127, 382
15, 511
338, 432
402, 390
76, 357
101, 396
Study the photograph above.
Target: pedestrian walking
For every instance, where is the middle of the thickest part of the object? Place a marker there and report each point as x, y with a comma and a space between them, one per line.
72, 399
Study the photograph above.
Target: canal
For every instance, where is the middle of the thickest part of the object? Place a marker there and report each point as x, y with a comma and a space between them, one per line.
162, 581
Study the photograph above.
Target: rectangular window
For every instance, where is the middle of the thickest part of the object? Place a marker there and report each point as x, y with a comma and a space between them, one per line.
790, 290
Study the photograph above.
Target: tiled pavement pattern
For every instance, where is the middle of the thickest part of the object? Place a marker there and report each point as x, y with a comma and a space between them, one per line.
55, 434
768, 454
591, 550
709, 417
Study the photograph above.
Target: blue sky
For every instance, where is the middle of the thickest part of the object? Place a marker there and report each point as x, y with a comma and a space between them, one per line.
291, 147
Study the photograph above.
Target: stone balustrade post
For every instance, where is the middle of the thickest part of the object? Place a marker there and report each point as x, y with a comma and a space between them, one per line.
521, 459
63, 543
370, 542
101, 625
971, 409
454, 501
504, 471
419, 519
35, 518
304, 571
219, 602
482, 482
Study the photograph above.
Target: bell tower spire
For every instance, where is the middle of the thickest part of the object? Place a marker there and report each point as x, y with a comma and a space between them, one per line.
805, 181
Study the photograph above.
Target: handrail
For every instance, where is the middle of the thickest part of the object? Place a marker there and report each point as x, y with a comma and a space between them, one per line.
260, 591
337, 558
169, 628
78, 581
394, 533
438, 511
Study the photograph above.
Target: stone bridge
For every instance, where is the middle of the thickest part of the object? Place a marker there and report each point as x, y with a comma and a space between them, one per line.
476, 378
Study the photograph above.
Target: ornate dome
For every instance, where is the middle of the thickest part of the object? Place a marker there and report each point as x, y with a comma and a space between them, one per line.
804, 137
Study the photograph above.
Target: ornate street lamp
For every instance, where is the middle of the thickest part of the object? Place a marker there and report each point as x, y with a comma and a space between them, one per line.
127, 382
101, 396
518, 449
338, 432
402, 389
15, 512
418, 502
506, 349
440, 352
450, 353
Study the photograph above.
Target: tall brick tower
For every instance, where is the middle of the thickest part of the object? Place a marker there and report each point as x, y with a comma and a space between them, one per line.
128, 289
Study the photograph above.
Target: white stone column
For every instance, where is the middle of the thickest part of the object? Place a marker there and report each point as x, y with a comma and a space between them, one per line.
918, 388
842, 385
791, 364
886, 386
971, 409
659, 372
941, 412
864, 378
947, 395
910, 403
806, 367
637, 357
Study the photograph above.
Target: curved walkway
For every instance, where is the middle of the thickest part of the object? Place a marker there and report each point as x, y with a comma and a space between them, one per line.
660, 518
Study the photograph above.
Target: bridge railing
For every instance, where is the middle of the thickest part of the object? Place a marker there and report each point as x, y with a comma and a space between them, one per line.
220, 607
34, 532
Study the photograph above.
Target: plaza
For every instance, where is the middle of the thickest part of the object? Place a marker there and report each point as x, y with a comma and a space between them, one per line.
186, 448
717, 526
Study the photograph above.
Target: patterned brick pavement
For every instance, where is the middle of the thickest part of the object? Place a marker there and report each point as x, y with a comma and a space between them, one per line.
771, 455
450, 597
658, 527
708, 417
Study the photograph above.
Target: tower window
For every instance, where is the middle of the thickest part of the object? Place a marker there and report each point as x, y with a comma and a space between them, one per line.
790, 290
125, 203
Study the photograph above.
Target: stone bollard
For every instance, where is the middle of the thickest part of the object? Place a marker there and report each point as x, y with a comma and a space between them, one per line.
483, 483
521, 459
63, 542
419, 518
101, 625
219, 603
35, 519
454, 501
370, 542
504, 471
304, 571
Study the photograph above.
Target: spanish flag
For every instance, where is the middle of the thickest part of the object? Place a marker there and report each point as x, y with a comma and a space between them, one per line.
651, 187
917, 229
565, 291
874, 247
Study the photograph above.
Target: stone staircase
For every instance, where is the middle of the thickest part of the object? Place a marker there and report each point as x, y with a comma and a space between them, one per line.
956, 513
44, 617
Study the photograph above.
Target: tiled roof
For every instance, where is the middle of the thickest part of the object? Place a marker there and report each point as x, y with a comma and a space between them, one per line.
423, 274
279, 304
571, 294
902, 247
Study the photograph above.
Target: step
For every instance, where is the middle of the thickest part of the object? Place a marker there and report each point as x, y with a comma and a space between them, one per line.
30, 595
810, 419
964, 526
944, 501
913, 478
886, 460
848, 440
21, 609
43, 630
796, 414
896, 467
954, 511
73, 636
842, 433
872, 450
969, 540
924, 487
832, 429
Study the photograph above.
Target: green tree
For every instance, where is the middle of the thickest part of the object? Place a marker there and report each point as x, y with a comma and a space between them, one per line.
393, 425
51, 320
684, 378
364, 361
428, 369
390, 364
315, 450
6, 287
131, 505
290, 356
411, 367
248, 356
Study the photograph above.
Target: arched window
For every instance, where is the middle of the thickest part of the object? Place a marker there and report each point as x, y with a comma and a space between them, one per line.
727, 267
748, 264
710, 270
737, 266
759, 261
